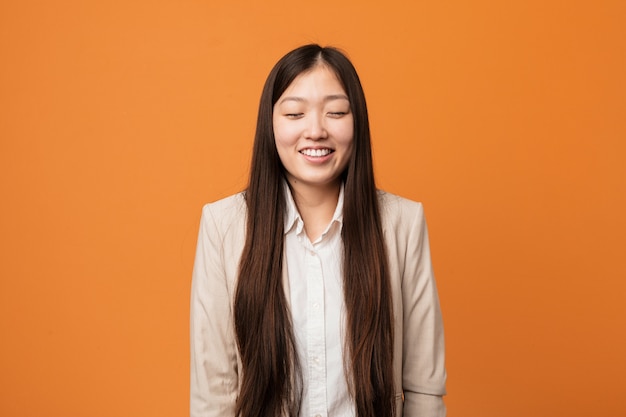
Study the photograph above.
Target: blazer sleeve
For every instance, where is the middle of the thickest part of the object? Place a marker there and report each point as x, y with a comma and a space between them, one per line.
214, 383
423, 362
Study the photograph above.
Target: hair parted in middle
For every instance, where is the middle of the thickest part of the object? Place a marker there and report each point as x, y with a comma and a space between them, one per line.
271, 376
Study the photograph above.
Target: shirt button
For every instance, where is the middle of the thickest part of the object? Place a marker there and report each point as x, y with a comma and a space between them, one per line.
316, 306
318, 415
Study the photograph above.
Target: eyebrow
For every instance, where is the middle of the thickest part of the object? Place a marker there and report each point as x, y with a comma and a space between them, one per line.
330, 97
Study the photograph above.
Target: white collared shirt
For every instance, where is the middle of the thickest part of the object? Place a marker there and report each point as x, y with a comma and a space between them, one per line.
318, 312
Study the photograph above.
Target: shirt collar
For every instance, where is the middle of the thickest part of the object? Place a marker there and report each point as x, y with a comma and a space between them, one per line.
293, 218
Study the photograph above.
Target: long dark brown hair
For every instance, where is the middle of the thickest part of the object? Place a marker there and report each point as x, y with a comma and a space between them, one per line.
271, 378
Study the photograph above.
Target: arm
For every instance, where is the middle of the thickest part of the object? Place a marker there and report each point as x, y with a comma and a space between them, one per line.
214, 384
423, 362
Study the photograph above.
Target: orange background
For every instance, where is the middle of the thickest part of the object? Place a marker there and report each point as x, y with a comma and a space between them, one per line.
119, 119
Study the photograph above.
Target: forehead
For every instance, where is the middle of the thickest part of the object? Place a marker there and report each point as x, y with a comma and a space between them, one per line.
319, 79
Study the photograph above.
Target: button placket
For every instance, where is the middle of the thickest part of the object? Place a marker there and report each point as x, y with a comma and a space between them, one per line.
316, 344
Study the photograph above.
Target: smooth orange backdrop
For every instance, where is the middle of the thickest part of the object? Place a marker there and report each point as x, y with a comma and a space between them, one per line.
119, 119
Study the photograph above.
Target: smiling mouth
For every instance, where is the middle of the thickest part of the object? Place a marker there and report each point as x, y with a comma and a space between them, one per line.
316, 152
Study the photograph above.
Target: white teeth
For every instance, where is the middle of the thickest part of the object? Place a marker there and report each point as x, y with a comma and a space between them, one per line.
315, 152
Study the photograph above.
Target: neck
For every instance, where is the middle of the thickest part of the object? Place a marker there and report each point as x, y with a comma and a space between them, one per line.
316, 205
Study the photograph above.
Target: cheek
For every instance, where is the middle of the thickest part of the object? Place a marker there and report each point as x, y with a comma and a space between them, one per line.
285, 135
284, 143
346, 134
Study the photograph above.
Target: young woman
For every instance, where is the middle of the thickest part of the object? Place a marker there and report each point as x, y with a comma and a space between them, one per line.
313, 293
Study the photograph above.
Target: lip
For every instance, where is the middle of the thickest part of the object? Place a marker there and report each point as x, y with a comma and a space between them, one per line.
315, 148
317, 159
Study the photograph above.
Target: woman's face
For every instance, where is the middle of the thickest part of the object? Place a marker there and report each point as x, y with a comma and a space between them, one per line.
313, 128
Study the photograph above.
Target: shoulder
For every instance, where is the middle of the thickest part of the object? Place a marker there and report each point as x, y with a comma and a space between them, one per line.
397, 211
226, 212
230, 204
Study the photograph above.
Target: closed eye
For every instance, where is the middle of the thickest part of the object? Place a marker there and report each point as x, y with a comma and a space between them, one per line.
294, 115
337, 114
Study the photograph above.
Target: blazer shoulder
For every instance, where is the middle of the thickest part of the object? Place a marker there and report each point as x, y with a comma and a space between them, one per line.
397, 211
226, 211
226, 204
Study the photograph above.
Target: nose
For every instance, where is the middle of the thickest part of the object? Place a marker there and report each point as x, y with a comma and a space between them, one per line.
316, 129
